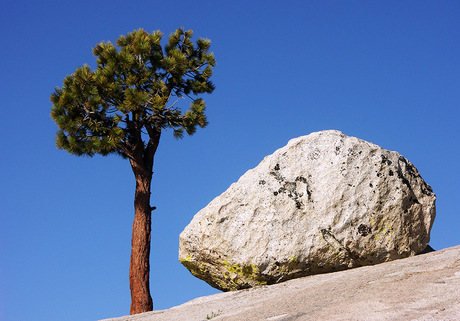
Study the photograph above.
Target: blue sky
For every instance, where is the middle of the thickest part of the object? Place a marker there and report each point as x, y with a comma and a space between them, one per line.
385, 71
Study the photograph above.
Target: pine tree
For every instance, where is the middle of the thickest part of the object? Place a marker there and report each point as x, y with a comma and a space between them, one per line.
123, 106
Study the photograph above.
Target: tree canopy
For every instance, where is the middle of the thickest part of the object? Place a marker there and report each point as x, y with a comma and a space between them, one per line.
133, 93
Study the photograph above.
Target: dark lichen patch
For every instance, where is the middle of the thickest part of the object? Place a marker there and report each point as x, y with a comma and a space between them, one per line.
277, 167
262, 182
290, 189
409, 167
301, 179
404, 180
426, 189
277, 176
385, 160
364, 230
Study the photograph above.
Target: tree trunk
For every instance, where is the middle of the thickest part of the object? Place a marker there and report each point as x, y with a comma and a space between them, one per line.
139, 269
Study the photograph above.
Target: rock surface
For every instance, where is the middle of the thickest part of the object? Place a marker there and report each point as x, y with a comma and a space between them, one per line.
423, 287
325, 202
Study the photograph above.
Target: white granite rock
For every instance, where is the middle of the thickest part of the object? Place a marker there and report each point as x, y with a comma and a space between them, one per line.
325, 202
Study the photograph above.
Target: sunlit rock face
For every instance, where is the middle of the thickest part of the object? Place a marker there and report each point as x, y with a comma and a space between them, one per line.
325, 202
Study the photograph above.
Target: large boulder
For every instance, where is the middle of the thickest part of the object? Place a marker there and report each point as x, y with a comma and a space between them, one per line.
325, 202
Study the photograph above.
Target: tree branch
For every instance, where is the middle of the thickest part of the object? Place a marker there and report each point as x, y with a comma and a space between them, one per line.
177, 100
127, 151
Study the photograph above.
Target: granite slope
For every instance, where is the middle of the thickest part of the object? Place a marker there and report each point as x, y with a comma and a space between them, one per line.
423, 287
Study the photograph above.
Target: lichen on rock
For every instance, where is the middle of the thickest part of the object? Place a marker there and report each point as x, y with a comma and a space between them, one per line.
325, 202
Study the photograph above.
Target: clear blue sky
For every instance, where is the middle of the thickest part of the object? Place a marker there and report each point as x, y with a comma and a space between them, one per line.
384, 71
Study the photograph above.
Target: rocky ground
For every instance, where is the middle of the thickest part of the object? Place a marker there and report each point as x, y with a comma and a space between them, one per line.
424, 287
